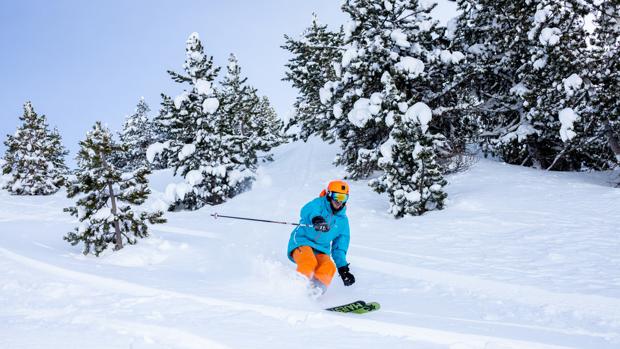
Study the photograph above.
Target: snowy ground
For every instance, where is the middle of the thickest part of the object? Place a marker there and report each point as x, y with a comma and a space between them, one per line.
519, 259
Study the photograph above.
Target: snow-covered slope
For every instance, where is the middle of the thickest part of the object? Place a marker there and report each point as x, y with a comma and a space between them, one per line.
519, 259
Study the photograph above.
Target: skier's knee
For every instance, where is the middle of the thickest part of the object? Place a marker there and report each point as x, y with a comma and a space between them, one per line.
306, 261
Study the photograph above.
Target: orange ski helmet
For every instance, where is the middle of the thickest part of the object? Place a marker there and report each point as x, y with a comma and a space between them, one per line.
338, 190
338, 186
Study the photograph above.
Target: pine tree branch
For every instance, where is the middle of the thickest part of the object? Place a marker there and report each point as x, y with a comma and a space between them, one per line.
559, 156
447, 89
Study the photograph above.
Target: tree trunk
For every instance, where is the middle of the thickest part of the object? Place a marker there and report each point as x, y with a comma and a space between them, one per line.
614, 143
117, 229
118, 239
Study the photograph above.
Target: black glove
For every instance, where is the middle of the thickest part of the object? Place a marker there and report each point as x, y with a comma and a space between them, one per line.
319, 224
347, 278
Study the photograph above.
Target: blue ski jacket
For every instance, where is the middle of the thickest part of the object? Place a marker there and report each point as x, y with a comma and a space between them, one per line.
334, 242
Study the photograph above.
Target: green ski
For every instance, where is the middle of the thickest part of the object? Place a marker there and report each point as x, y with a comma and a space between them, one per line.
357, 307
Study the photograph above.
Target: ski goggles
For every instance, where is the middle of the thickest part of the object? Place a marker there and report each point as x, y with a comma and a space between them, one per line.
340, 197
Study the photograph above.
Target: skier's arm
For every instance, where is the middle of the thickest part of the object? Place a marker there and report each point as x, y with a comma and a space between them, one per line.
308, 212
340, 246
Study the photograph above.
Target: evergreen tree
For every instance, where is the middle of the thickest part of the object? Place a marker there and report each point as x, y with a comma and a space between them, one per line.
250, 120
269, 129
393, 49
136, 136
605, 72
238, 101
156, 154
557, 90
34, 159
314, 63
395, 60
411, 176
358, 85
104, 208
57, 153
494, 37
201, 144
530, 69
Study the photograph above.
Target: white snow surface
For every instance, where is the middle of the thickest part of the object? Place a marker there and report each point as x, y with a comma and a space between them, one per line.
364, 109
448, 57
542, 14
194, 177
388, 5
519, 89
410, 65
210, 105
400, 38
572, 84
153, 150
337, 110
325, 93
349, 28
178, 100
521, 133
550, 36
567, 118
421, 113
540, 63
204, 87
519, 259
386, 150
187, 151
348, 56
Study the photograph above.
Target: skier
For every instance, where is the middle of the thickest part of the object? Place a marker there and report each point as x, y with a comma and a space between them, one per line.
323, 223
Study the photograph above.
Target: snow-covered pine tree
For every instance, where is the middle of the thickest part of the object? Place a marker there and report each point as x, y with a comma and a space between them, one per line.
162, 134
34, 158
201, 144
106, 196
237, 103
180, 117
388, 43
249, 119
530, 68
393, 49
494, 37
605, 72
412, 178
451, 118
314, 62
557, 90
137, 135
57, 153
269, 129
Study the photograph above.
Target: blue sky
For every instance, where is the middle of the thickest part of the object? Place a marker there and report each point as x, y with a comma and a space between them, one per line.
82, 61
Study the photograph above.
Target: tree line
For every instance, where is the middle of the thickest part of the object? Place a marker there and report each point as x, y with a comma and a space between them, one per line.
213, 135
533, 82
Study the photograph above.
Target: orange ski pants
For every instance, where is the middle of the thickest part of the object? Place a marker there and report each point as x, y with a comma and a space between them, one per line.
319, 265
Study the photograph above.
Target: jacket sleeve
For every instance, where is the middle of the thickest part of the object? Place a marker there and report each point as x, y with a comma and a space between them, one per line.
309, 211
340, 246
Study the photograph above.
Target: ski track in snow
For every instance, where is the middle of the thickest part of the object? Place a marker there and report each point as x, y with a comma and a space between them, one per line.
165, 335
595, 305
178, 337
605, 335
185, 231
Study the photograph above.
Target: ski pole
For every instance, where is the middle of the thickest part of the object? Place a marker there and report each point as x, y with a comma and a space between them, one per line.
216, 216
